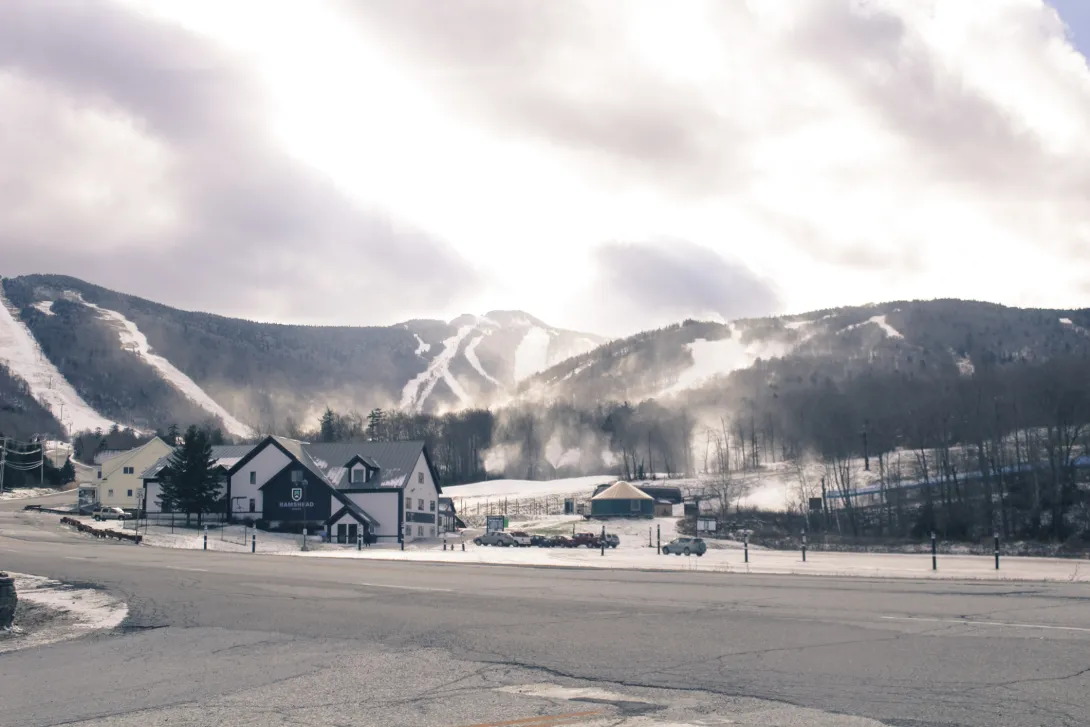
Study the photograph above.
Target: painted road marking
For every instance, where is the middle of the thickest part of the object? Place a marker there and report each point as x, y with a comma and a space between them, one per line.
196, 570
987, 623
403, 588
542, 721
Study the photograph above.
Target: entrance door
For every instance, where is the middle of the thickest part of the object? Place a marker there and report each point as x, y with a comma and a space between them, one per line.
341, 532
353, 533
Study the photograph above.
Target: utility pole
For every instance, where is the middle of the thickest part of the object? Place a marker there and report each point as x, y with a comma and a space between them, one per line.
3, 461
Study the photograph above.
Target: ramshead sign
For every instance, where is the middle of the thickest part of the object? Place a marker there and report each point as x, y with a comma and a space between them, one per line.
295, 505
297, 494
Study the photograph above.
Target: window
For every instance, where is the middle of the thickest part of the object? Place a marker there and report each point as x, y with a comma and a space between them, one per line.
408, 503
98, 474
126, 470
431, 505
130, 494
409, 530
357, 476
431, 531
253, 477
420, 477
635, 506
420, 530
110, 493
253, 505
420, 504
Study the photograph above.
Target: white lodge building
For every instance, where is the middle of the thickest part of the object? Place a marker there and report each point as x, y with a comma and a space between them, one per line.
386, 491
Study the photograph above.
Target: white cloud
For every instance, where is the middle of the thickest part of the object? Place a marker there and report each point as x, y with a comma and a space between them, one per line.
845, 151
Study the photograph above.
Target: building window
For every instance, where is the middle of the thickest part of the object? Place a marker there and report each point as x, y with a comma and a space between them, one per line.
420, 504
431, 531
635, 506
357, 476
431, 505
420, 477
253, 477
110, 493
99, 474
409, 530
420, 530
130, 494
408, 503
253, 505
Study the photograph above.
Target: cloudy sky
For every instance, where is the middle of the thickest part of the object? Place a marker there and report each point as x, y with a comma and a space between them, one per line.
610, 165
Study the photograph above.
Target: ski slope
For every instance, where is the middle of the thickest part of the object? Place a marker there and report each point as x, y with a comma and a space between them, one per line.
131, 338
471, 356
532, 354
20, 352
417, 391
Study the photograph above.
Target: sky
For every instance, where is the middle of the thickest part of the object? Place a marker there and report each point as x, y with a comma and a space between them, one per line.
607, 166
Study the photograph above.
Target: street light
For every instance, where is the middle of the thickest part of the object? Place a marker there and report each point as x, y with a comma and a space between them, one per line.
304, 484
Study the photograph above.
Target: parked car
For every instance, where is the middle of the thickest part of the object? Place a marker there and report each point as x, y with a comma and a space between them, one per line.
612, 541
522, 540
685, 546
588, 539
560, 541
541, 541
496, 538
109, 513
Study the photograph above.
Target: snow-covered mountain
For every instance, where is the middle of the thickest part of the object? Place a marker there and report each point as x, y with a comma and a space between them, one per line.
693, 361
93, 357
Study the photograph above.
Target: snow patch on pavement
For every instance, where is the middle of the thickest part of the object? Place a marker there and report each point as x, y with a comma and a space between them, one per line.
86, 610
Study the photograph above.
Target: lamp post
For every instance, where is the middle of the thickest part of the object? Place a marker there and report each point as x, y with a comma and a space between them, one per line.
304, 485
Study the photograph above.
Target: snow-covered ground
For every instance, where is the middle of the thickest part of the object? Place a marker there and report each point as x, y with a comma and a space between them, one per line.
85, 610
20, 352
417, 391
132, 339
24, 492
468, 497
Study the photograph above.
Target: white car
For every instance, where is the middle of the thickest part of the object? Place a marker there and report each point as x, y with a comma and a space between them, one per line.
522, 540
109, 513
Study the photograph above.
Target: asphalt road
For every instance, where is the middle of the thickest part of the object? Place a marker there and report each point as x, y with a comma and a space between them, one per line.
216, 638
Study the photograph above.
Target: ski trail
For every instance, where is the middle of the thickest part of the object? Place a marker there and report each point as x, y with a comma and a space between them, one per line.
417, 391
879, 321
471, 356
132, 339
20, 352
421, 348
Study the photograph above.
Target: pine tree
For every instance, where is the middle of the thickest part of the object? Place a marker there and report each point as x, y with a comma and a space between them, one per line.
172, 435
376, 424
328, 431
189, 482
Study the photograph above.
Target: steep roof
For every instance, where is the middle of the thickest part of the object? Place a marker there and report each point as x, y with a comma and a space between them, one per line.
396, 460
113, 463
621, 490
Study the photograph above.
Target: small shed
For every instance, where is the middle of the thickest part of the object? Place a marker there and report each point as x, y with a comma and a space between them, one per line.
622, 500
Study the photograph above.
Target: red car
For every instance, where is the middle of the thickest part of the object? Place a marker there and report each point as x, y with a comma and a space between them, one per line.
588, 539
559, 541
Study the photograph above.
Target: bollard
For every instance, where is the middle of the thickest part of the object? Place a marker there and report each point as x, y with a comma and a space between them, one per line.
206, 537
444, 545
403, 543
650, 543
602, 542
658, 539
8, 600
359, 540
996, 536
463, 546
934, 553
745, 544
803, 546
304, 537
253, 543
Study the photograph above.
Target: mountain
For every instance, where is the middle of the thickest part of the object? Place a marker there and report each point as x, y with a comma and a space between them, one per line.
91, 357
695, 362
95, 357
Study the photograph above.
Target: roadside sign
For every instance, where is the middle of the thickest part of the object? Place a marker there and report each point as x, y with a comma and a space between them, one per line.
706, 525
495, 523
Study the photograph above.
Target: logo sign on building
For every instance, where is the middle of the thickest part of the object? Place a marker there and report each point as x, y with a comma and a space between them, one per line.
296, 494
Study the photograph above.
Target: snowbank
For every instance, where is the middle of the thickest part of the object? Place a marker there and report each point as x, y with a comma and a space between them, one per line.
84, 610
25, 492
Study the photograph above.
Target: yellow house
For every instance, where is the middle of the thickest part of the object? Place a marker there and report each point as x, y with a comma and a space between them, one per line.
119, 482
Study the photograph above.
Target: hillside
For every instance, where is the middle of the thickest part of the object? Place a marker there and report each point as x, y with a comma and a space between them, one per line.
695, 360
147, 365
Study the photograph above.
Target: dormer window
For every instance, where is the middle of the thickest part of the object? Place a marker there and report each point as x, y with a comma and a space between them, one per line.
358, 476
